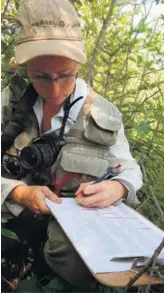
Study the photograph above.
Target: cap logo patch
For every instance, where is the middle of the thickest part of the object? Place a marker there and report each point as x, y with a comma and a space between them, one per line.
48, 22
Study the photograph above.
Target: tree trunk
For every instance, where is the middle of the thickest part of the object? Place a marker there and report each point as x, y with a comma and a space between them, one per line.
99, 42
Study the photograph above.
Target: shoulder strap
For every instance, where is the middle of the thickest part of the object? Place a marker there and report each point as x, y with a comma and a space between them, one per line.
88, 102
17, 123
74, 131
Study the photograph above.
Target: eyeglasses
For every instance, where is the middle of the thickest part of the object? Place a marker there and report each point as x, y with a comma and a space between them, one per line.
45, 78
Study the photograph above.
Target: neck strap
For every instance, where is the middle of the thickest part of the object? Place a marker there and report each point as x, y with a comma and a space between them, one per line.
67, 106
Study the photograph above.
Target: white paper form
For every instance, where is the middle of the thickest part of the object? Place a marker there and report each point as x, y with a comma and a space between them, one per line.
101, 235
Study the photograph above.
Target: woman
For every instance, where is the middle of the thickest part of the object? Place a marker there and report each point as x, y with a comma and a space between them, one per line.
50, 46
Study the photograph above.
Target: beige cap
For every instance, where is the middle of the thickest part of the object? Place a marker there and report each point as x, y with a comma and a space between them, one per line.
48, 27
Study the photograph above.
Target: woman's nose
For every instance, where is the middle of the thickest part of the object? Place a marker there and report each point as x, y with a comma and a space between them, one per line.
53, 88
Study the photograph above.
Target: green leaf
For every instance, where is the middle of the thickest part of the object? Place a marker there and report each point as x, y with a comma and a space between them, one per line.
143, 128
162, 16
159, 2
9, 234
139, 59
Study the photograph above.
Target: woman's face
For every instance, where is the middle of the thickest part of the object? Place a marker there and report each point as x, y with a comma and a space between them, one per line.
53, 77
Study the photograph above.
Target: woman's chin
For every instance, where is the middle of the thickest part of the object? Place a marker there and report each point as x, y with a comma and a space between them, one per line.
55, 102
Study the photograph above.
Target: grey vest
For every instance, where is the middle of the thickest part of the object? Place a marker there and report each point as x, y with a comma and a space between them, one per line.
85, 154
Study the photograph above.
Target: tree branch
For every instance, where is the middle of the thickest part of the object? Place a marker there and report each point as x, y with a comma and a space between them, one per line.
147, 266
5, 9
145, 100
4, 50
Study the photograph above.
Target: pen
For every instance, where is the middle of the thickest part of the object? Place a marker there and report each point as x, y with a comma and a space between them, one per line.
109, 174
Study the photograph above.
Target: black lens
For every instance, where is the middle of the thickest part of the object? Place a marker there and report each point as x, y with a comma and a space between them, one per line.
30, 157
41, 154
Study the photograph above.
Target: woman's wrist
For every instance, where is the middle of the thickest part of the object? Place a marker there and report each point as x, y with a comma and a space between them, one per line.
122, 189
17, 192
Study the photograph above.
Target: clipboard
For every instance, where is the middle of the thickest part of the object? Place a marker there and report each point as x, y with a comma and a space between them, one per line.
109, 278
121, 279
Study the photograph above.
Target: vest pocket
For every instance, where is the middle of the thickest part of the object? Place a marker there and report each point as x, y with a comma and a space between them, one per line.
84, 160
102, 128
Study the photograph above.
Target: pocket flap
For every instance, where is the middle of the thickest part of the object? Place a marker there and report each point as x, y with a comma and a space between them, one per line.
106, 115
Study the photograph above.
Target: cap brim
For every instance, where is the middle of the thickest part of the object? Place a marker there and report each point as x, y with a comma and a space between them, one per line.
73, 50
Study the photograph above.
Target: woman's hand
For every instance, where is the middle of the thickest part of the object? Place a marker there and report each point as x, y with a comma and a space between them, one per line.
34, 197
101, 194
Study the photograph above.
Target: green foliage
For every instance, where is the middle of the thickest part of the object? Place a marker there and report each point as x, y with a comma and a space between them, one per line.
143, 128
159, 1
9, 234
